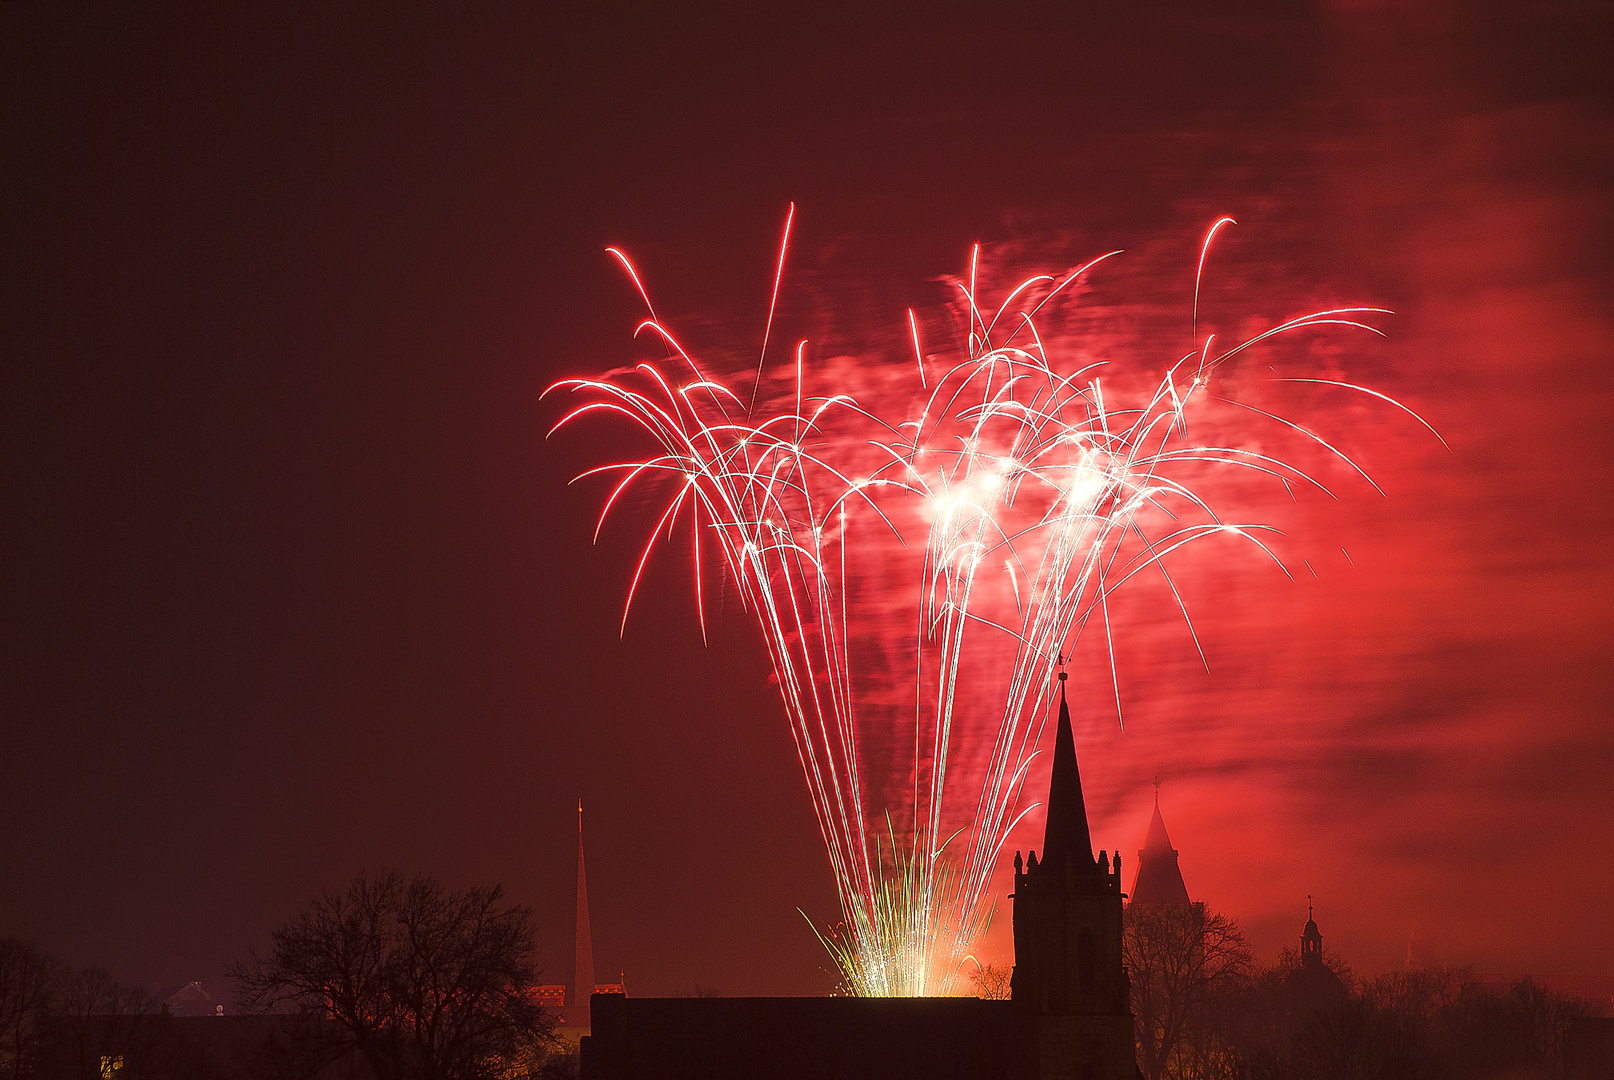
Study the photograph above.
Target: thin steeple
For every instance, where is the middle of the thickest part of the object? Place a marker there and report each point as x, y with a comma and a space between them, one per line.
583, 963
1066, 839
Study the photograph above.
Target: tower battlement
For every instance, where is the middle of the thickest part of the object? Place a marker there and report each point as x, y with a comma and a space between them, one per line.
1069, 980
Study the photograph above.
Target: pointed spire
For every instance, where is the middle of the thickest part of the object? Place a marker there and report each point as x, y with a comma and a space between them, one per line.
583, 961
1066, 840
1157, 842
1159, 878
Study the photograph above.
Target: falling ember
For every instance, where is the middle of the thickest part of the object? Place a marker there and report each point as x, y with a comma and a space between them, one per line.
1009, 456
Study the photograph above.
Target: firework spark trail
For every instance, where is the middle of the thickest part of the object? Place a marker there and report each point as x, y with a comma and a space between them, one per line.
1019, 466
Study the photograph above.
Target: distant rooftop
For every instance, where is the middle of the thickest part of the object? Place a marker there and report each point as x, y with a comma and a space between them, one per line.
1158, 880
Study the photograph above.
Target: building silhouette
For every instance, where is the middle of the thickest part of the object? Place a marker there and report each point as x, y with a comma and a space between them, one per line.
1068, 974
1068, 1018
191, 1000
583, 942
1313, 987
1159, 878
570, 1001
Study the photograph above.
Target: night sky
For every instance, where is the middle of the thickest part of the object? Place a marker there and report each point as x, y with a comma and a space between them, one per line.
294, 585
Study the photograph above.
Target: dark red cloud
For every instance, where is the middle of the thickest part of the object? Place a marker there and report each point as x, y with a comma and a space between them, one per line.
1416, 723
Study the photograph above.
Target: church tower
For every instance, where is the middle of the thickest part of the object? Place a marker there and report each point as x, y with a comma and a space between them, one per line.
1069, 984
1159, 879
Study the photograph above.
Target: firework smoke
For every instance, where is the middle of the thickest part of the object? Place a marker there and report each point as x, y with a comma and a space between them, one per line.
1012, 489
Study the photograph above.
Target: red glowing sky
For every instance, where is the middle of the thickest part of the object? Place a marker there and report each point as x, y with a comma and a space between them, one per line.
294, 585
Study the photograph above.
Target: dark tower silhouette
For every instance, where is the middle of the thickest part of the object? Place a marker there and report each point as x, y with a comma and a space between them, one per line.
1069, 983
1159, 879
583, 961
1313, 987
1311, 940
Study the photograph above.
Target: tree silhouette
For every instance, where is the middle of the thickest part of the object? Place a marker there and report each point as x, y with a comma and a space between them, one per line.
1185, 964
29, 981
421, 982
98, 1026
991, 981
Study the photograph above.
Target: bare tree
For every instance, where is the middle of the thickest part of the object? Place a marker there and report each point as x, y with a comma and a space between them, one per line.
423, 982
1184, 963
1289, 961
1436, 1023
991, 981
100, 1027
1519, 1030
562, 1064
28, 983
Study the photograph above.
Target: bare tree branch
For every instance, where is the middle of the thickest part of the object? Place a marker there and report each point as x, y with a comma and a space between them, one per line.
424, 981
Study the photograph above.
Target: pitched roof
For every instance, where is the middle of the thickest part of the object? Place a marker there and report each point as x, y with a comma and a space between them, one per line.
1159, 879
189, 1000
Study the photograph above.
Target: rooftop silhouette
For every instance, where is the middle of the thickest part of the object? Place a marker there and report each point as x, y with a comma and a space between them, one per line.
1159, 878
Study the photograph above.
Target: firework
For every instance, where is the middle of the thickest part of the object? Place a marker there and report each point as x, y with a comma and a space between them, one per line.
1017, 499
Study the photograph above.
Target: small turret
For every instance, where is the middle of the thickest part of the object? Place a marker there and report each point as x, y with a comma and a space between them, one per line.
1311, 939
1313, 987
